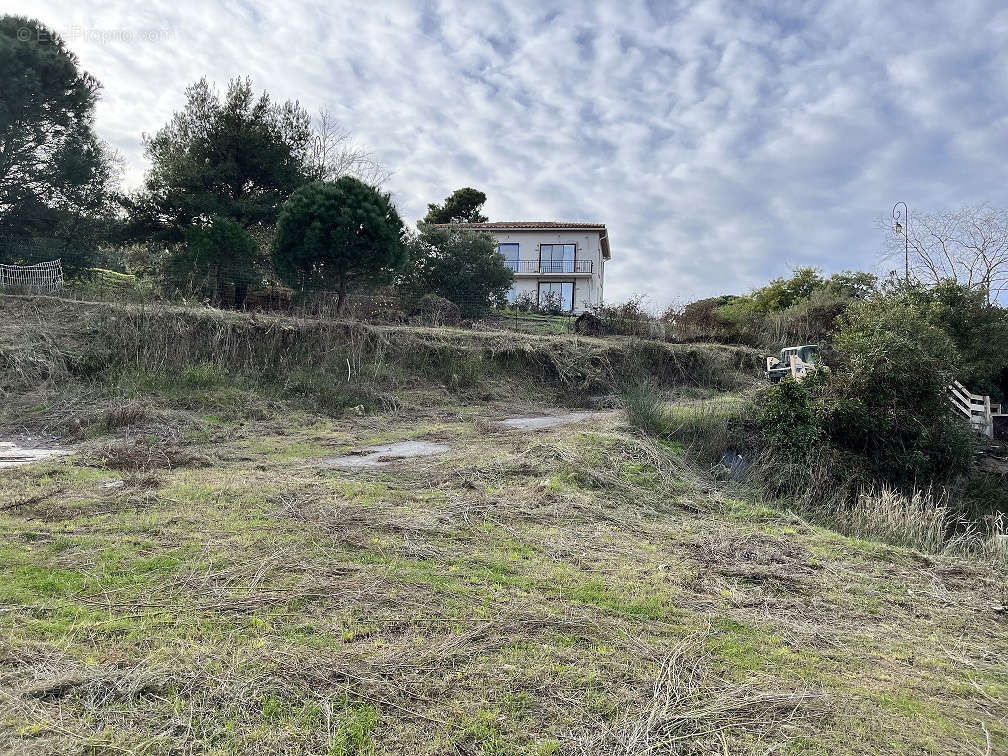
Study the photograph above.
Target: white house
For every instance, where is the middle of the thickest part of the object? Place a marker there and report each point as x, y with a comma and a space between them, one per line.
553, 259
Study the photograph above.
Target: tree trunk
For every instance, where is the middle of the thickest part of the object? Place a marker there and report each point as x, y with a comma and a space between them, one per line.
341, 295
218, 285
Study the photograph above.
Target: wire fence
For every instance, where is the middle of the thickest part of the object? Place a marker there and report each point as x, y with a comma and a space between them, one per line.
27, 270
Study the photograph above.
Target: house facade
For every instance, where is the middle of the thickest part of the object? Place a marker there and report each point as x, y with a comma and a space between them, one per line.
553, 260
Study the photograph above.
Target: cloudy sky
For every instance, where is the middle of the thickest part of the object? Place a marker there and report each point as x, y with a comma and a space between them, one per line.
722, 142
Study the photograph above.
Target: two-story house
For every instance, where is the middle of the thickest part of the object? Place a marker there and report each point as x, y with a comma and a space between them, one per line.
553, 260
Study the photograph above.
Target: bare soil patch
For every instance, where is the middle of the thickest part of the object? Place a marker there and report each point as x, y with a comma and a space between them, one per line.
542, 422
386, 454
14, 455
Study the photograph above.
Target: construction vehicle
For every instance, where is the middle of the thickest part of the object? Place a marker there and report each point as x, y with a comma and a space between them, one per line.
797, 362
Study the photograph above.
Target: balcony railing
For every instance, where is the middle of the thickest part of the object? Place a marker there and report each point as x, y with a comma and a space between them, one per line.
550, 266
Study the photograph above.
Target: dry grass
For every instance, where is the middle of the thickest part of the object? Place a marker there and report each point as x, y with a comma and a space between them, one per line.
692, 711
578, 590
52, 339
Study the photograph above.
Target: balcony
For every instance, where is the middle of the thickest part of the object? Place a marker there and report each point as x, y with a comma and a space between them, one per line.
537, 267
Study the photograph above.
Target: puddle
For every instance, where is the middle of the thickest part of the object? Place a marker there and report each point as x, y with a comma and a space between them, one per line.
546, 421
12, 455
376, 456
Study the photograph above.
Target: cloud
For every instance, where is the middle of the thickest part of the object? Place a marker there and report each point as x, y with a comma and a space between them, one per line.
720, 141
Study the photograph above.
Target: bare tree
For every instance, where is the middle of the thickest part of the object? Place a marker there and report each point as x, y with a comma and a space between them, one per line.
332, 154
968, 245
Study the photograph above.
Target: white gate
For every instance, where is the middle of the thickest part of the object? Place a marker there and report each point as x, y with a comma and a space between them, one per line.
42, 278
975, 407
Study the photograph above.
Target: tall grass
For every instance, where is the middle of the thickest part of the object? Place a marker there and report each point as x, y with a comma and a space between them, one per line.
704, 429
48, 341
920, 521
699, 433
924, 520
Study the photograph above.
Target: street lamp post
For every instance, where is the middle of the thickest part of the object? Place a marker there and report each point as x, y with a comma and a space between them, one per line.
902, 224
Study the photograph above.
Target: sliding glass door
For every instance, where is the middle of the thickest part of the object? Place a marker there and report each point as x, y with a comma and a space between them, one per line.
557, 294
556, 258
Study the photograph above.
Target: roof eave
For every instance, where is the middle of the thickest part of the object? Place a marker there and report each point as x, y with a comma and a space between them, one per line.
598, 228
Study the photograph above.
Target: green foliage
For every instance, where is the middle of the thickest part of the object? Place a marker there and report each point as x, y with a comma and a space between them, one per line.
220, 251
782, 293
791, 419
551, 304
239, 157
354, 735
331, 235
978, 330
461, 206
462, 266
647, 408
852, 284
108, 285
56, 176
787, 311
889, 397
805, 283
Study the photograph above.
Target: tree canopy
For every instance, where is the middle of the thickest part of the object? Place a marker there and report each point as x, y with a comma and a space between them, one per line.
56, 176
334, 235
220, 250
889, 400
459, 265
968, 245
464, 205
239, 157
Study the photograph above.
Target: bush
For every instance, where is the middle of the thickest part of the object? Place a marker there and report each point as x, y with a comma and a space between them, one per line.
630, 318
217, 254
801, 309
888, 400
551, 304
456, 264
791, 419
437, 311
525, 302
705, 320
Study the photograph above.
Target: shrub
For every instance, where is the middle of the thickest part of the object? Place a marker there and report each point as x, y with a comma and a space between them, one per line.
801, 309
437, 311
782, 293
630, 318
219, 253
888, 401
551, 304
791, 419
525, 302
704, 320
460, 265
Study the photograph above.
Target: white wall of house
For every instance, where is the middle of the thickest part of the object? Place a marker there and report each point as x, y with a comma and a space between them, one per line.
588, 288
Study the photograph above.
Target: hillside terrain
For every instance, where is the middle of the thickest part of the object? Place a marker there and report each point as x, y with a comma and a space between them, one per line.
216, 568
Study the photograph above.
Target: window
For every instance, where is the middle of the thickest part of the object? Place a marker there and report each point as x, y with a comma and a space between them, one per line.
510, 252
556, 258
559, 294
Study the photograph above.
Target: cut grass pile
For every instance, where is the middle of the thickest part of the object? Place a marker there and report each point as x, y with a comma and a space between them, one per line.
194, 580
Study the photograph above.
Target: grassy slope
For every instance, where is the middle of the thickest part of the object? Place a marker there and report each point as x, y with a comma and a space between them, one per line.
569, 591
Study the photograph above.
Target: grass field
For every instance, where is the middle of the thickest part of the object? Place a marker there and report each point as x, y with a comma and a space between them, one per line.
197, 579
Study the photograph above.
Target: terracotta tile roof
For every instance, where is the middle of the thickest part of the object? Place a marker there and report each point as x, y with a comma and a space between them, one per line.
501, 225
540, 226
